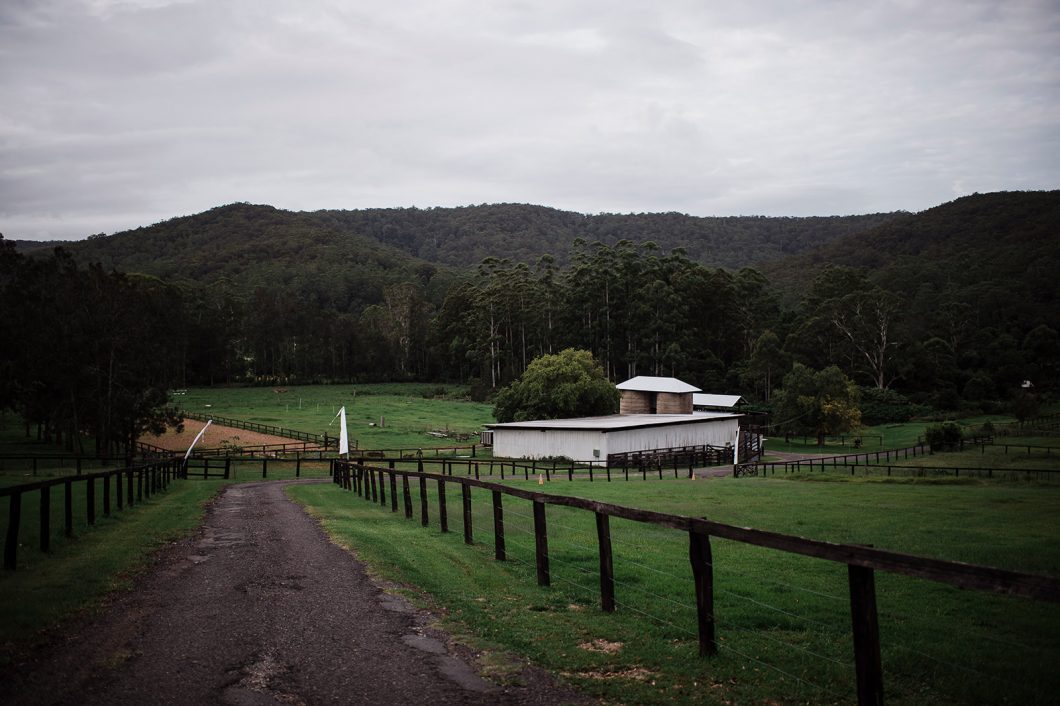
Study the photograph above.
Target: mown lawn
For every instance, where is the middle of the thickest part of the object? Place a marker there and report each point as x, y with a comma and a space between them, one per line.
783, 620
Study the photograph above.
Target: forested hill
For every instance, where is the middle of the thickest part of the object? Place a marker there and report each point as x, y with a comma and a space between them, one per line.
247, 247
244, 241
1005, 245
523, 233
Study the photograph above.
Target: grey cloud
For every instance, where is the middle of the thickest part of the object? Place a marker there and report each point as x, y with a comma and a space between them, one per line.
122, 113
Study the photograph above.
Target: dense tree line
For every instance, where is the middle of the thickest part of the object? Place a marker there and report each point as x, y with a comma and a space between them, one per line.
84, 352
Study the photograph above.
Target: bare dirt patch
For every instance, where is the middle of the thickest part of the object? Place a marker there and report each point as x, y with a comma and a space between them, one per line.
215, 437
602, 645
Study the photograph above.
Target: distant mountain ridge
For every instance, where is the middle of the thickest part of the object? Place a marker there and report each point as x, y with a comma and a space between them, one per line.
189, 247
521, 232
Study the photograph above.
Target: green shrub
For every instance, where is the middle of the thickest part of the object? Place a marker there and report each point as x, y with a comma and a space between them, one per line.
943, 437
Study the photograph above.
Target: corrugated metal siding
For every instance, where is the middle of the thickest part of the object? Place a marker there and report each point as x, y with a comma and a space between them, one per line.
711, 433
579, 444
575, 444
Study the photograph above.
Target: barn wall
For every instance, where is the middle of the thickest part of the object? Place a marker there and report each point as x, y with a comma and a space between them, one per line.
532, 443
579, 444
713, 433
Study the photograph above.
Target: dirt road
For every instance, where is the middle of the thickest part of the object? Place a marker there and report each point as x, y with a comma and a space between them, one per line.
260, 608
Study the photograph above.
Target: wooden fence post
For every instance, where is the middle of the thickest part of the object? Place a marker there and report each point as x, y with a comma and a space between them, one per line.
106, 496
371, 482
699, 554
90, 500
14, 519
498, 527
118, 495
465, 496
407, 495
68, 507
382, 489
443, 511
866, 631
423, 502
393, 492
46, 518
607, 569
541, 544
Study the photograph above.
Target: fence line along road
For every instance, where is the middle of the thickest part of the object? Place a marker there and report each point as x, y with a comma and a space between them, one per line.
145, 480
862, 562
548, 470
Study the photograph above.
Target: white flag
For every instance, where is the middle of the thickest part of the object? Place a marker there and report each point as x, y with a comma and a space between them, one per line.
344, 442
736, 448
199, 436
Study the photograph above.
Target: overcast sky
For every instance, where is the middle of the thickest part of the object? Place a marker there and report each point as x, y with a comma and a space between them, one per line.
121, 113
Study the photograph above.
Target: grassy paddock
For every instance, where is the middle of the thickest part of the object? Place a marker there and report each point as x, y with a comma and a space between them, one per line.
80, 572
783, 620
408, 410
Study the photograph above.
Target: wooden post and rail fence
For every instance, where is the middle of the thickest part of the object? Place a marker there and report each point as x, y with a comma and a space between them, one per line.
321, 439
120, 488
862, 562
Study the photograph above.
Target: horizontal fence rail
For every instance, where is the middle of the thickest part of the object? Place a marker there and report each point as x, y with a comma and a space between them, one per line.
124, 486
36, 462
322, 439
370, 482
418, 451
922, 471
679, 465
297, 447
225, 467
751, 469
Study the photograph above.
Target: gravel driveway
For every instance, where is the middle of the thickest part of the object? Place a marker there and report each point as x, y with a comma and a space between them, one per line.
260, 608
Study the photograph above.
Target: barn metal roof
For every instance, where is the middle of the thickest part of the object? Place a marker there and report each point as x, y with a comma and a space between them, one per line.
616, 422
645, 383
702, 399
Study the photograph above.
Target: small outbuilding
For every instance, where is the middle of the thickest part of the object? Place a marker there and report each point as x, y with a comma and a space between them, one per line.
654, 395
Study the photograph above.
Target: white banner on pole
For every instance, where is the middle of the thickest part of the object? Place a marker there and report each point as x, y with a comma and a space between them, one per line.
736, 449
344, 442
197, 437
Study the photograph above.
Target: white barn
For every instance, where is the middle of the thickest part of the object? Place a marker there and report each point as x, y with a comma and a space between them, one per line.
656, 415
592, 439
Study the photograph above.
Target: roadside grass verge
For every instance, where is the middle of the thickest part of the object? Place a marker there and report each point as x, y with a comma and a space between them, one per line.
783, 620
80, 572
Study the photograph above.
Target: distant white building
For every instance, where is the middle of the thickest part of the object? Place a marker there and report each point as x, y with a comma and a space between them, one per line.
656, 414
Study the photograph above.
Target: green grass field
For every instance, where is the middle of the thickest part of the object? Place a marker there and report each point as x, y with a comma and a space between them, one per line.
783, 620
380, 416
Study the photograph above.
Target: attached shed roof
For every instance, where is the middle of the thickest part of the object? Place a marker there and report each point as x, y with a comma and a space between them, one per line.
645, 383
703, 399
616, 422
